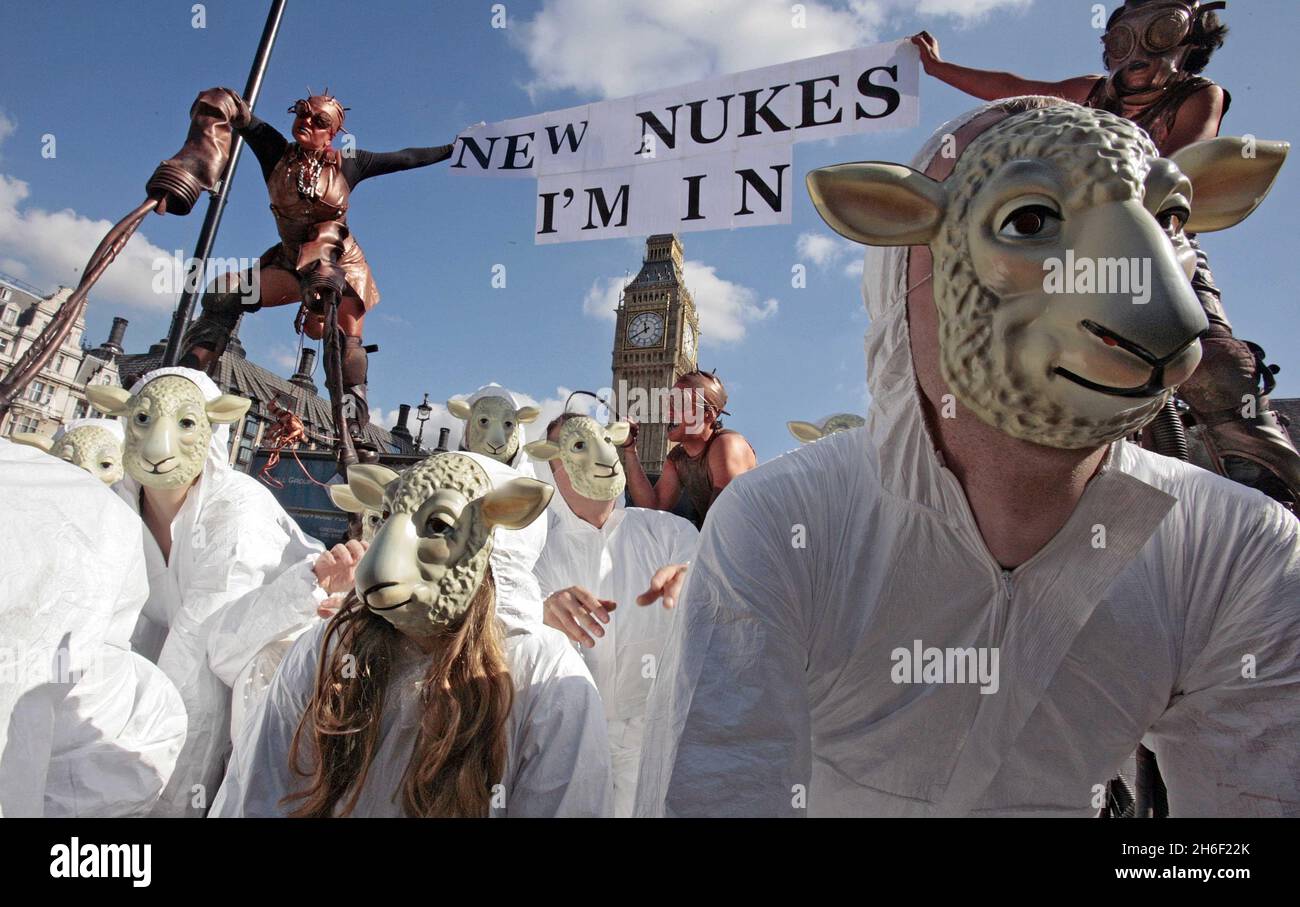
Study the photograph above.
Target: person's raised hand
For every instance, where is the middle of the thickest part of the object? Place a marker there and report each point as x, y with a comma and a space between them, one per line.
577, 614
666, 584
335, 569
928, 45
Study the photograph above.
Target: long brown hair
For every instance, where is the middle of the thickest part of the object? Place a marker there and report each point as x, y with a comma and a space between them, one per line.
460, 752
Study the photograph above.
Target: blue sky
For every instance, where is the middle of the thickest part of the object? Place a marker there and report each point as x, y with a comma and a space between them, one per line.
112, 83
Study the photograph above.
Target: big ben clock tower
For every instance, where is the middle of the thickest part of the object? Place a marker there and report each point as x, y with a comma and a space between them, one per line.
656, 338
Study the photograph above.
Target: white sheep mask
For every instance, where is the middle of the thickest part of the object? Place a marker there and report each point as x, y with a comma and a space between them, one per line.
1072, 370
807, 432
168, 425
96, 448
588, 450
493, 426
431, 551
346, 501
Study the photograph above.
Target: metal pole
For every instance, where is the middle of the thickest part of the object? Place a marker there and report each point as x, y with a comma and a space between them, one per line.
217, 201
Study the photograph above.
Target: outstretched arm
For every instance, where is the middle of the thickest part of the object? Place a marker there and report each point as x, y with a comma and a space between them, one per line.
377, 163
988, 85
266, 142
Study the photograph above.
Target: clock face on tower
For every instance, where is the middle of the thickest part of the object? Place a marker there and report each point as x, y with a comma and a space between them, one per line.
688, 341
646, 329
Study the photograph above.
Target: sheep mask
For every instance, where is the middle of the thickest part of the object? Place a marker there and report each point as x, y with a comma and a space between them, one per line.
346, 501
494, 426
170, 419
807, 432
588, 450
93, 444
1033, 234
431, 550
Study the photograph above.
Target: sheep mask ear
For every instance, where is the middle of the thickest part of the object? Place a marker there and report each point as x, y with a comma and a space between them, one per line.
805, 432
31, 439
878, 204
1230, 178
458, 408
526, 415
618, 432
366, 486
112, 401
542, 450
227, 409
515, 504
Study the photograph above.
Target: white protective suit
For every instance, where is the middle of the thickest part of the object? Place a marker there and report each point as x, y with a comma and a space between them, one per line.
776, 691
93, 730
239, 578
616, 563
558, 763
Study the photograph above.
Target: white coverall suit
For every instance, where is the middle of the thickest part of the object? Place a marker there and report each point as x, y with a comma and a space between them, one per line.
239, 578
87, 727
558, 761
616, 563
776, 696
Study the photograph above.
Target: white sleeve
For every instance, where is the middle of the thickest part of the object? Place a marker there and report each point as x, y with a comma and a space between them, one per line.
259, 774
262, 616
563, 749
73, 560
1229, 742
686, 542
728, 730
116, 740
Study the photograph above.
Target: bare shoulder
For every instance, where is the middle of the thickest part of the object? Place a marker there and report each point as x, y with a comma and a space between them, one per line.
730, 444
1078, 88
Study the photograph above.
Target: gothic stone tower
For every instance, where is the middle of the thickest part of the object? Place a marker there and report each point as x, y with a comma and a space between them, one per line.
656, 338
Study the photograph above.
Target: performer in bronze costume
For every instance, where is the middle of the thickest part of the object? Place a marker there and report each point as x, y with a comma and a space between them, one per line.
1154, 52
317, 259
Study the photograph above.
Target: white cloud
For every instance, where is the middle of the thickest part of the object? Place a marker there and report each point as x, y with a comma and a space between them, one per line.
616, 49
53, 247
968, 10
725, 308
611, 50
284, 358
7, 126
826, 251
821, 249
602, 298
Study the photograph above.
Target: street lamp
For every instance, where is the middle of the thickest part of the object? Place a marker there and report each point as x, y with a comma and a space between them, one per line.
422, 414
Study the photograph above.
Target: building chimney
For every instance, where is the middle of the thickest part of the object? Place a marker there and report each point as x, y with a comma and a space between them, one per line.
443, 435
233, 346
302, 377
400, 430
115, 335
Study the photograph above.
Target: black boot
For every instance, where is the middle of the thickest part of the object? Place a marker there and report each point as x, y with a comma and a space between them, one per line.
355, 407
214, 327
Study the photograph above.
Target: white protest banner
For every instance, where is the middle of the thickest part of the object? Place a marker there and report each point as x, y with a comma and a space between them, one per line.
738, 128
706, 192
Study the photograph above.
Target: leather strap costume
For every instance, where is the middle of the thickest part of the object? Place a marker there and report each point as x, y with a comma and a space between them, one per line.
1228, 394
